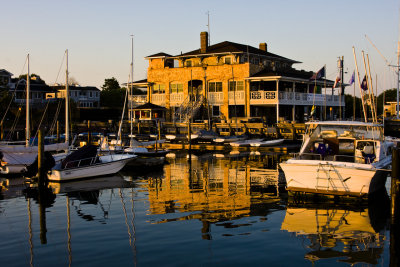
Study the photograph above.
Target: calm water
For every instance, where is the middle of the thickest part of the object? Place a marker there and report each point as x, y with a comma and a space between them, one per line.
215, 210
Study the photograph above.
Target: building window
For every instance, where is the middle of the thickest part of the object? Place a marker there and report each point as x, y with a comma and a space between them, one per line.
188, 63
90, 94
159, 88
216, 111
236, 85
228, 60
214, 87
176, 88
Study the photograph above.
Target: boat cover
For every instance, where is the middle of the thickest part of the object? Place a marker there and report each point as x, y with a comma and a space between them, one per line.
86, 152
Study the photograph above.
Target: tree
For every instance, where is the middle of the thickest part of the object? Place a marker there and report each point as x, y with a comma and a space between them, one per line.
110, 84
112, 95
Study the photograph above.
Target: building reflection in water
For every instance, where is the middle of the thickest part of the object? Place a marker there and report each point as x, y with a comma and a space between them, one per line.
216, 188
352, 233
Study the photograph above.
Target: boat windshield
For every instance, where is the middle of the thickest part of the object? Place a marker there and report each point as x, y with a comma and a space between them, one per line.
345, 131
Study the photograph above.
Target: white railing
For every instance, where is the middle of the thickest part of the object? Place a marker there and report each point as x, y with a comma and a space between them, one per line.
291, 98
263, 97
215, 98
176, 99
158, 99
236, 98
138, 100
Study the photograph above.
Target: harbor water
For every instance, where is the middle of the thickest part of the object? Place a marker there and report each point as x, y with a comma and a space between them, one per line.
203, 210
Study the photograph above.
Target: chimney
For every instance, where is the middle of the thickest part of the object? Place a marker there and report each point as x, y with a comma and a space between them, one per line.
263, 47
203, 42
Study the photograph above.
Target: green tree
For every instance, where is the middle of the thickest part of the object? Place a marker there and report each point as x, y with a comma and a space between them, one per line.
110, 84
112, 95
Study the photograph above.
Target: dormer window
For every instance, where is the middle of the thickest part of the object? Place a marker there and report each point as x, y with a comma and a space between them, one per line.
188, 63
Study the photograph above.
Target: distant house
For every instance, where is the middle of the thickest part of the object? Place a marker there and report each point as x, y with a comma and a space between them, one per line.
38, 91
84, 96
5, 78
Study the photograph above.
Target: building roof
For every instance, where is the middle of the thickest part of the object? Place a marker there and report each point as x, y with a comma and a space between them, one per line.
35, 87
161, 54
289, 72
74, 87
231, 47
149, 105
3, 71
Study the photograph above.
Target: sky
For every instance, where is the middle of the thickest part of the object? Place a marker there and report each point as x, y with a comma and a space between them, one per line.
97, 34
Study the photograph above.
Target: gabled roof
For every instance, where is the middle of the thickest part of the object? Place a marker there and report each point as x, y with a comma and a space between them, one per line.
3, 71
161, 54
149, 105
231, 47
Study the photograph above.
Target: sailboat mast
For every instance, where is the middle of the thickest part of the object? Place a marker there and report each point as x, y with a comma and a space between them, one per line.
398, 78
28, 123
130, 95
359, 83
66, 101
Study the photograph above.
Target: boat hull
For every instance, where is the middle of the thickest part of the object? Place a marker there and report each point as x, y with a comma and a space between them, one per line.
333, 179
105, 167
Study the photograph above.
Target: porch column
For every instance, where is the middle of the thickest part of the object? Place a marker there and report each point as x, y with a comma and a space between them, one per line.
277, 101
247, 98
294, 103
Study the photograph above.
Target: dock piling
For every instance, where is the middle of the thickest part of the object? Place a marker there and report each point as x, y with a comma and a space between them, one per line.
394, 223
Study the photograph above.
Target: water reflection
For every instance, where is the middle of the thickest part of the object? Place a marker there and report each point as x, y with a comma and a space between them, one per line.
213, 188
351, 233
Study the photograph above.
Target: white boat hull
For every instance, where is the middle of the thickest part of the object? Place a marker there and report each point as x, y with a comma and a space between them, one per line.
335, 178
109, 164
267, 143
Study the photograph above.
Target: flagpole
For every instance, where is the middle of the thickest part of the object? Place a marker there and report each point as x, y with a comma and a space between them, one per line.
354, 100
325, 94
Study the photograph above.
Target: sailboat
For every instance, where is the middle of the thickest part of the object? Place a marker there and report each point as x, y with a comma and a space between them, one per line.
146, 157
14, 159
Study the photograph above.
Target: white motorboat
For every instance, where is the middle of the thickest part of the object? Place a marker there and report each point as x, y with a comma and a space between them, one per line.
244, 142
340, 158
89, 167
267, 143
229, 139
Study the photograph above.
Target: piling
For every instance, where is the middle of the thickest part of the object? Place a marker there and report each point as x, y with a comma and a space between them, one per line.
189, 133
41, 174
89, 141
394, 223
58, 131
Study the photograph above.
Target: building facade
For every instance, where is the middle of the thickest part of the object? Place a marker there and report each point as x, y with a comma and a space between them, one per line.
236, 81
83, 96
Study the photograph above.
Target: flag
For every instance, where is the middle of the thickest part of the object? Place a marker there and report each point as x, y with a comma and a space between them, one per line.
336, 81
364, 85
312, 111
319, 74
352, 78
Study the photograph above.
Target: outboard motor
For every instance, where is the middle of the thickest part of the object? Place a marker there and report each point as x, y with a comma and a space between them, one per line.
48, 164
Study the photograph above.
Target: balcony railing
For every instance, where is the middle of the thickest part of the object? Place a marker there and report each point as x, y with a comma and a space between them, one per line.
158, 99
215, 98
138, 100
236, 98
176, 99
263, 97
291, 98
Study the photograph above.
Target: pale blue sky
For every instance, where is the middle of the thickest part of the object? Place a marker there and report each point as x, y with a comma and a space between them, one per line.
97, 33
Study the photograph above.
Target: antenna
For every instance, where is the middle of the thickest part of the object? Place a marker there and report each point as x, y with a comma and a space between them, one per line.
208, 26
